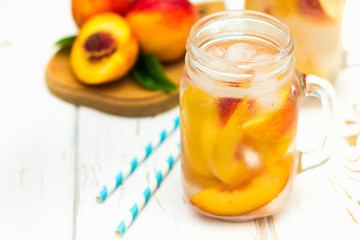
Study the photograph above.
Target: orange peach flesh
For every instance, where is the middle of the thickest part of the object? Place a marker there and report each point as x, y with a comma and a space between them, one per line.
106, 66
258, 192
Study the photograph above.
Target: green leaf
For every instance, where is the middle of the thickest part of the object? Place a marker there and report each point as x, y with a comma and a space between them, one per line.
153, 64
145, 80
156, 71
65, 42
148, 71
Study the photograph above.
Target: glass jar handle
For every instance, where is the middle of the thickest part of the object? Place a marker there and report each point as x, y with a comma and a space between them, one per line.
321, 88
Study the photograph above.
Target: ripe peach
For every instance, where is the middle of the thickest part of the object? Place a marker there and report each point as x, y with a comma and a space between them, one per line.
82, 10
105, 49
162, 26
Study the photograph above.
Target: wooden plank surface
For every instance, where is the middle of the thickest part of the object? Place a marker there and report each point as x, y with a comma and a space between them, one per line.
326, 201
55, 156
36, 130
167, 214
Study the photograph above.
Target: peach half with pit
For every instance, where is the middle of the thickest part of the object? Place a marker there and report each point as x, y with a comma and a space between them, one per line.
162, 26
104, 50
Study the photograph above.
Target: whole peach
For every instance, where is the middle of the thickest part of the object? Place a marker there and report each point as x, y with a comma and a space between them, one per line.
82, 10
162, 26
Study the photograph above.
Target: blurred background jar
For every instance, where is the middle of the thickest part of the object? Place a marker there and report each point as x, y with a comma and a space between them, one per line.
317, 28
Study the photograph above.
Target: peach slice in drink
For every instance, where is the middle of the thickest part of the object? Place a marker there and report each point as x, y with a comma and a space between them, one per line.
198, 108
260, 191
226, 107
275, 124
236, 158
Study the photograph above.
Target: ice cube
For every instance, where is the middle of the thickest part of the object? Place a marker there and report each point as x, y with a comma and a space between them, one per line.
240, 52
216, 51
252, 159
263, 54
269, 102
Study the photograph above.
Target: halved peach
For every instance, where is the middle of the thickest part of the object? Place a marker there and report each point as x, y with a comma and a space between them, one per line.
260, 191
104, 51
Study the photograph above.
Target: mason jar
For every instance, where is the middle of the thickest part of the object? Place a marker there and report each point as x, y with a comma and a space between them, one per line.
240, 98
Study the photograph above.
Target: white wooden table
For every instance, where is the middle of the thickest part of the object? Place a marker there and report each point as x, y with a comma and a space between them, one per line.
54, 156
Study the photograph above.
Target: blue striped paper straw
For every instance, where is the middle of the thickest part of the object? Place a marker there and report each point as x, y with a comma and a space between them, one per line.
140, 158
149, 191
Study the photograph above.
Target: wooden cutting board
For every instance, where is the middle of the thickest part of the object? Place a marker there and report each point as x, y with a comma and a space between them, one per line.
124, 97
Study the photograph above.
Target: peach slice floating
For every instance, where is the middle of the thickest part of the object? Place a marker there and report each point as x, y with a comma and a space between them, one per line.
198, 123
260, 191
194, 156
226, 107
233, 151
209, 137
278, 125
104, 51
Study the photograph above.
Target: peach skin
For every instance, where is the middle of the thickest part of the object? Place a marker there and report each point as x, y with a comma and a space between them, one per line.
82, 10
162, 27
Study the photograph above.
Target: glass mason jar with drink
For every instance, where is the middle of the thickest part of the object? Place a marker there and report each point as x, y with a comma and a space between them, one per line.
316, 27
239, 105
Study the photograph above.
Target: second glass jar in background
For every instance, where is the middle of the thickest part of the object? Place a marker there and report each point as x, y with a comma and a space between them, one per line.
316, 26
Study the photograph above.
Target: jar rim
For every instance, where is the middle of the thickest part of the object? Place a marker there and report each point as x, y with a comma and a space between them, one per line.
285, 52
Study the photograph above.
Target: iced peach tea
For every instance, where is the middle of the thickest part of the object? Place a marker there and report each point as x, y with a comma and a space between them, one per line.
239, 103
